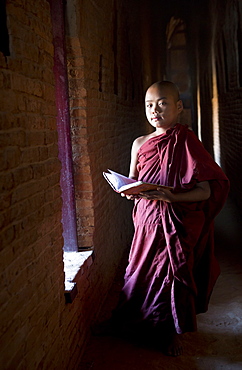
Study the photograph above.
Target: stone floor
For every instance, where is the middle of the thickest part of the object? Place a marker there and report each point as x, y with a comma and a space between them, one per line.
218, 342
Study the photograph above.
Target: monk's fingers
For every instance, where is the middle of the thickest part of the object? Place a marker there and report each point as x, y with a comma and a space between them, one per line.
129, 197
145, 195
164, 191
152, 195
163, 195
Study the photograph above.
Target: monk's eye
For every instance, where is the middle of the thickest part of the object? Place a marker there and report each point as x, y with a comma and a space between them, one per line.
162, 103
148, 105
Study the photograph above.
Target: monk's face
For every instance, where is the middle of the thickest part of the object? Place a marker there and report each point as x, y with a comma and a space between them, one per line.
162, 107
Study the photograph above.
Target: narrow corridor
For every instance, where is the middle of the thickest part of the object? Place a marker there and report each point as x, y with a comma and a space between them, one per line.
218, 342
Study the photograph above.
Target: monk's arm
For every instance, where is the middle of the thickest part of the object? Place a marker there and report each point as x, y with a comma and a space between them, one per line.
201, 191
133, 172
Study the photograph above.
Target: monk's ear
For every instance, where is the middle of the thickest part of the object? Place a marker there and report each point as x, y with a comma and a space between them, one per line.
179, 106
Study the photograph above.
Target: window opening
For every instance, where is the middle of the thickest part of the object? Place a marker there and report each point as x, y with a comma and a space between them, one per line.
215, 107
63, 128
199, 128
4, 37
73, 260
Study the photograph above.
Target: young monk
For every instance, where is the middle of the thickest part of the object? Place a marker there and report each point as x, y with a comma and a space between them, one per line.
172, 268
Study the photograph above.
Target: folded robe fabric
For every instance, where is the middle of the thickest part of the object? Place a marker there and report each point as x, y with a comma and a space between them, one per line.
172, 268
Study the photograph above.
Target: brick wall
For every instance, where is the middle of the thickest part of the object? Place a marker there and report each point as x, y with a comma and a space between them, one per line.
31, 233
35, 323
38, 330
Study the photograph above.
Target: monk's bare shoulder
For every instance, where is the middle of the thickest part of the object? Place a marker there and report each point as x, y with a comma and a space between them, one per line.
133, 173
141, 140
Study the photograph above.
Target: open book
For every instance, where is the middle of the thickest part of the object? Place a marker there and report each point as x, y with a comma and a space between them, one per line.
123, 184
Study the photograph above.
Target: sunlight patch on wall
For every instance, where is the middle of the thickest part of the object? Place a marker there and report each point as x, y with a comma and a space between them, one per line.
216, 135
199, 131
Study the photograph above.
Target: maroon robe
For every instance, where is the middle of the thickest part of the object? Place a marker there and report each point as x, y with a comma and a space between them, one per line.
172, 268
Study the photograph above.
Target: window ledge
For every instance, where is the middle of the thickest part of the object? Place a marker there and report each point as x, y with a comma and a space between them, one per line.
73, 263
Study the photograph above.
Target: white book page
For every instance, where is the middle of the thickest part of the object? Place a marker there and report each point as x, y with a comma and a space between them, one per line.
117, 180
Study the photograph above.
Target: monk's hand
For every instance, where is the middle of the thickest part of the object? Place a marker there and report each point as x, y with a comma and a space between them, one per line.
129, 197
159, 194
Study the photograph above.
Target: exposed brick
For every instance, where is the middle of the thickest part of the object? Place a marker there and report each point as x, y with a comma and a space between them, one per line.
6, 181
8, 102
12, 156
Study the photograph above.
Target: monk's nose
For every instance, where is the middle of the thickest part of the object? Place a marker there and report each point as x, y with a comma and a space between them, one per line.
156, 109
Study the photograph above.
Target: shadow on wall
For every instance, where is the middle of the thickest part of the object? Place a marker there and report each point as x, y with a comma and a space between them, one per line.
228, 231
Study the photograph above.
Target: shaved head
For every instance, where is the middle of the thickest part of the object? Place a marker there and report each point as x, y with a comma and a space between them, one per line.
168, 86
